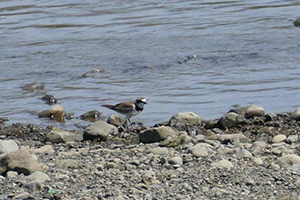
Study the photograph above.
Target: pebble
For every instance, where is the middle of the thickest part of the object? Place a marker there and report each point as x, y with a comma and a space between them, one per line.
222, 164
244, 153
257, 161
279, 138
249, 181
11, 174
176, 161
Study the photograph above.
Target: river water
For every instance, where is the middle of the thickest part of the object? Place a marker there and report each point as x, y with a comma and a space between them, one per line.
247, 52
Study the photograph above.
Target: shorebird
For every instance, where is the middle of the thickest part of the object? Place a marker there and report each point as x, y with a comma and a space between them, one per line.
129, 108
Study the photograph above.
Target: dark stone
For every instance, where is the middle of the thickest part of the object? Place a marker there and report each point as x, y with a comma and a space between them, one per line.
297, 22
91, 116
34, 87
49, 99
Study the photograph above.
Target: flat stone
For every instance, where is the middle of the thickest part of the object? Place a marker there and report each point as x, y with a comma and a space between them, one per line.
68, 163
222, 164
38, 176
288, 160
279, 138
157, 134
225, 150
185, 119
7, 146
99, 130
57, 136
43, 149
251, 111
159, 151
223, 137
33, 87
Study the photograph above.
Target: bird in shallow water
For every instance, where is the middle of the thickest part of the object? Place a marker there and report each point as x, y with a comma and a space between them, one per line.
129, 108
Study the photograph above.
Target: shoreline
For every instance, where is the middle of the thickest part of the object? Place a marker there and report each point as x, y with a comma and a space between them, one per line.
246, 154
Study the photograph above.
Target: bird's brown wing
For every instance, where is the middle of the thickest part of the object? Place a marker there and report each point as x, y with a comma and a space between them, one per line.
109, 106
124, 107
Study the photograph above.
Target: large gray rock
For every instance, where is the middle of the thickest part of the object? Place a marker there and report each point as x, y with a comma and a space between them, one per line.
230, 120
251, 111
99, 130
57, 136
185, 119
7, 146
296, 114
20, 161
157, 134
288, 160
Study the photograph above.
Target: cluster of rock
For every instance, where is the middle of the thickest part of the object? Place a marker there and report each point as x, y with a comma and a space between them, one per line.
246, 154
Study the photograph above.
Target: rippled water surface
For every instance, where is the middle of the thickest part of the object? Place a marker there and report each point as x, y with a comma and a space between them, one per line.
247, 53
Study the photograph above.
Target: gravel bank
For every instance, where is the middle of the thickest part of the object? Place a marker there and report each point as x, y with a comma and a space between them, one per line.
246, 157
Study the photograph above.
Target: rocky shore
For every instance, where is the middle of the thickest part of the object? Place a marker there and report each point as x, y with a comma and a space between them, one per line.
246, 154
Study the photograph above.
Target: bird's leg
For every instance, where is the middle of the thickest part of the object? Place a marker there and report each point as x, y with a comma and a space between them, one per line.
126, 124
129, 121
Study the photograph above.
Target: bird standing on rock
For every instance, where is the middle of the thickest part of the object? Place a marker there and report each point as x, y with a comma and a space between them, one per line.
129, 108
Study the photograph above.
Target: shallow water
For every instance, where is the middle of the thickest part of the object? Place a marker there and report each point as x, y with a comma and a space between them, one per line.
247, 53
